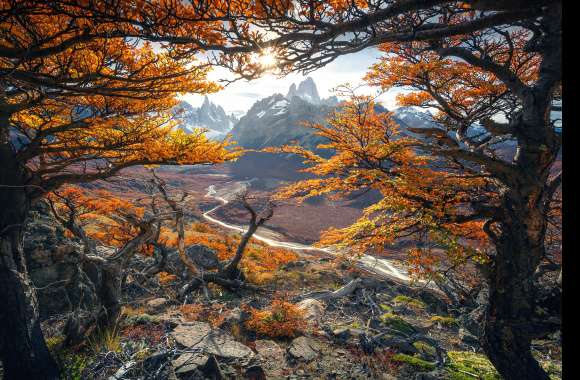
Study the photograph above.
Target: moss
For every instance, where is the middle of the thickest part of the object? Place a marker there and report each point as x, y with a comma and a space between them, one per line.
396, 323
72, 365
465, 365
356, 325
140, 319
386, 308
414, 361
409, 301
553, 369
444, 321
53, 343
425, 348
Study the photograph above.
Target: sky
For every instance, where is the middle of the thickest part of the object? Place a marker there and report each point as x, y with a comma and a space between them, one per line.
239, 96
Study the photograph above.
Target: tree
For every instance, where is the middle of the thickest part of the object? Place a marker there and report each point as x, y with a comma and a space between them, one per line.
505, 57
83, 97
101, 219
228, 274
435, 188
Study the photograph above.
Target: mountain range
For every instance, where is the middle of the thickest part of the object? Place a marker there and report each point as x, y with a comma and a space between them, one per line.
209, 116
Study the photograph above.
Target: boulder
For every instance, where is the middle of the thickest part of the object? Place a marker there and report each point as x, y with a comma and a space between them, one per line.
345, 335
53, 262
271, 356
467, 338
303, 348
214, 342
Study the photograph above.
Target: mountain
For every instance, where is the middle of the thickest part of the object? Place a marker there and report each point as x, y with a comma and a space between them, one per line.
209, 116
279, 119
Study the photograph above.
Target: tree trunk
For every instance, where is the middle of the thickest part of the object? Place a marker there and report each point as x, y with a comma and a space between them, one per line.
110, 295
509, 323
23, 350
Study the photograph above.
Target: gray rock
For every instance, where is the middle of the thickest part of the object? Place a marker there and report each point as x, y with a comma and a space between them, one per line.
468, 338
191, 334
53, 262
221, 344
345, 334
215, 342
203, 257
438, 374
268, 349
302, 348
157, 304
313, 309
189, 362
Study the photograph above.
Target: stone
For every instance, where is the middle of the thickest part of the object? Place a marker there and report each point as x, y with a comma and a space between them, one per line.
221, 344
189, 362
468, 338
313, 309
232, 317
270, 350
302, 348
215, 342
203, 257
271, 356
191, 334
157, 304
344, 335
53, 261
438, 374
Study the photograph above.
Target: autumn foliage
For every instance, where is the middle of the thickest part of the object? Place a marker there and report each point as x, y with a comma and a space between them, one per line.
280, 319
418, 197
259, 262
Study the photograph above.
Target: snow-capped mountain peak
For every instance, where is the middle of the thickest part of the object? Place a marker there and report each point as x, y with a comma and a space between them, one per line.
306, 90
209, 116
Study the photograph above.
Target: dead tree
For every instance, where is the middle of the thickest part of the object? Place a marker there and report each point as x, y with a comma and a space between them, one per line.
110, 268
228, 274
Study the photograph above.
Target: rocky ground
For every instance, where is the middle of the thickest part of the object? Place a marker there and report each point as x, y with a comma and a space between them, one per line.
381, 330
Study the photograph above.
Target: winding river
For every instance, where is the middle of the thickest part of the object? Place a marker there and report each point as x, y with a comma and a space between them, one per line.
379, 266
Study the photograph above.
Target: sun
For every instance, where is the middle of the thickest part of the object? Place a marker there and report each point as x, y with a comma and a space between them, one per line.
267, 58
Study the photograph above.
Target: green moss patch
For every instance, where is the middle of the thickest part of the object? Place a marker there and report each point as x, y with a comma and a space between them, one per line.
397, 323
409, 301
425, 348
444, 321
465, 365
414, 361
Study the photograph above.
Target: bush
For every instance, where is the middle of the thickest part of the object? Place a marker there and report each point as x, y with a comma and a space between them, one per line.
281, 319
105, 341
214, 314
72, 366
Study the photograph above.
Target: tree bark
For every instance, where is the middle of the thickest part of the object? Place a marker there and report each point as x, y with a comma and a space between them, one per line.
508, 329
23, 350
